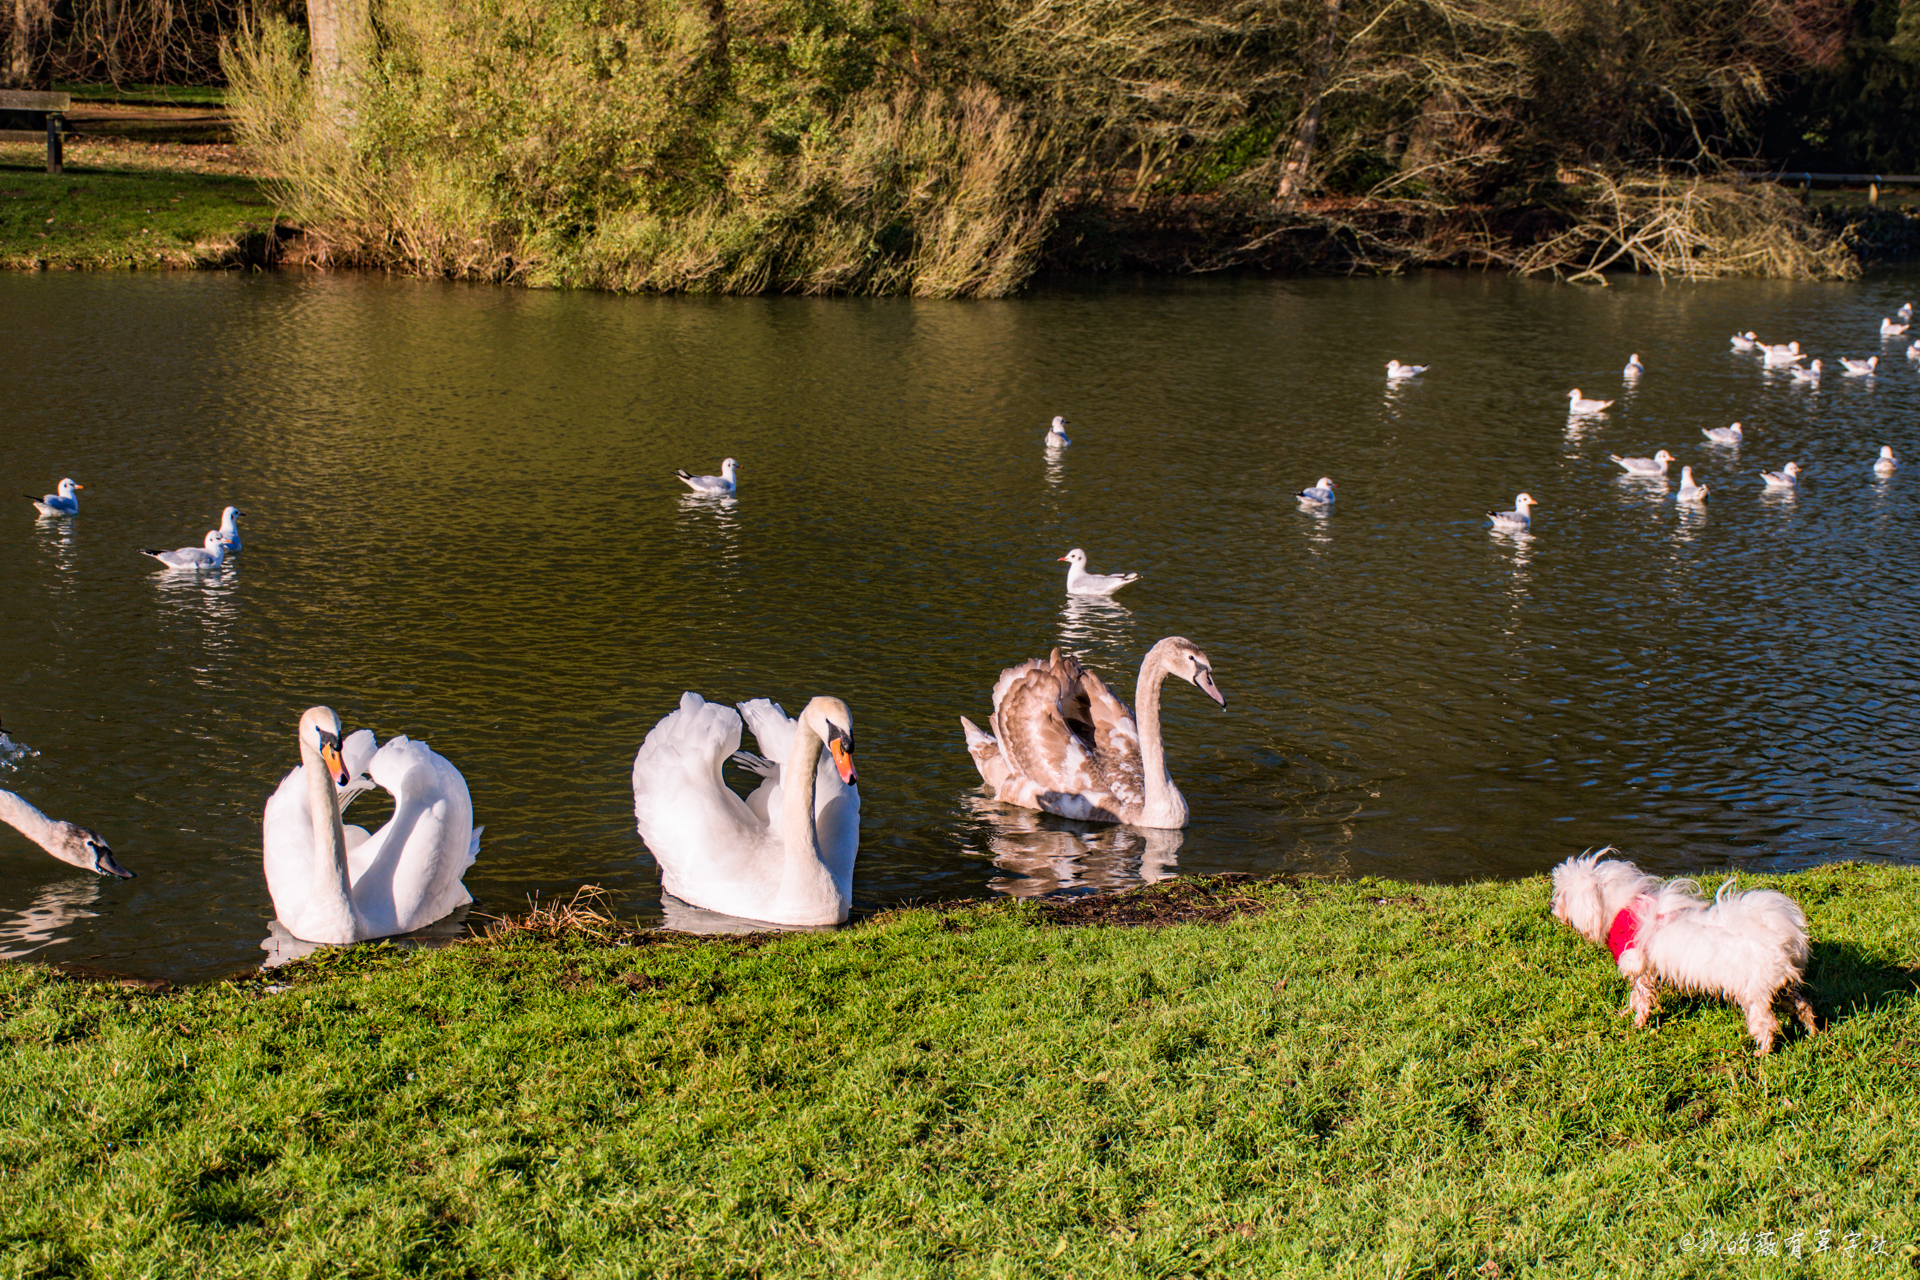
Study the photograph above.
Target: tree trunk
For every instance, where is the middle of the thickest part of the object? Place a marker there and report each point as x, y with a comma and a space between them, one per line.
337, 30
29, 16
1293, 172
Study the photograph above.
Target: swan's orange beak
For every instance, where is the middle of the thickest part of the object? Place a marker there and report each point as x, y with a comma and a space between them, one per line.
330, 756
842, 748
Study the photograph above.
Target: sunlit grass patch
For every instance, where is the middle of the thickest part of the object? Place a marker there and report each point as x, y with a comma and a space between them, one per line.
88, 217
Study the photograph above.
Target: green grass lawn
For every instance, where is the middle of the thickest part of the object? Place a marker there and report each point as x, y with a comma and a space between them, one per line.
1343, 1078
123, 218
146, 95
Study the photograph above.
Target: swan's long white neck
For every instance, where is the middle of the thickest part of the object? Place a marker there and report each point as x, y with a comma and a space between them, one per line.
805, 869
28, 821
329, 892
1165, 806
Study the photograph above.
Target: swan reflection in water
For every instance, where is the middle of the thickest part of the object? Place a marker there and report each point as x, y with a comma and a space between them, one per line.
283, 948
38, 925
1042, 854
1090, 623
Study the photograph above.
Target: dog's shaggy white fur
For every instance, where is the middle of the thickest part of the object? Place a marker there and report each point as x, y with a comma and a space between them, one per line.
1749, 948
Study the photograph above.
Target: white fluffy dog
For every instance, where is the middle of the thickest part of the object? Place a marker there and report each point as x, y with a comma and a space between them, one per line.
1750, 948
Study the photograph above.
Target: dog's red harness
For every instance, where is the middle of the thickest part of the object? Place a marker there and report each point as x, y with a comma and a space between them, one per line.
1624, 932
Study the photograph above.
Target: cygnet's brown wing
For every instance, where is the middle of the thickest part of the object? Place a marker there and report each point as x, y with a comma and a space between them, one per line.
1045, 727
1116, 743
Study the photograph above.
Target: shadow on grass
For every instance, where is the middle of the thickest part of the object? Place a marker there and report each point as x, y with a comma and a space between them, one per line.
1844, 982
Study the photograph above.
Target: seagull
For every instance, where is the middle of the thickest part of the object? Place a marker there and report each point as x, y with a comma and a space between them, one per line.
1724, 435
1905, 314
1396, 371
720, 484
1913, 352
230, 528
62, 502
1578, 404
1654, 466
1744, 341
1082, 583
1860, 368
211, 557
1809, 374
1787, 354
1521, 517
1888, 329
1886, 463
1689, 491
1786, 478
1057, 433
1634, 368
1321, 492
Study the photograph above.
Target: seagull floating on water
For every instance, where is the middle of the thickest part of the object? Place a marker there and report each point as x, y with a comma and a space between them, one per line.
721, 484
1913, 352
1888, 329
1886, 463
230, 527
1809, 374
1057, 433
1082, 583
1689, 491
1744, 341
1724, 435
1787, 477
1521, 517
1396, 371
1634, 368
1905, 314
63, 502
1788, 354
1578, 404
1321, 492
208, 556
1654, 466
1860, 368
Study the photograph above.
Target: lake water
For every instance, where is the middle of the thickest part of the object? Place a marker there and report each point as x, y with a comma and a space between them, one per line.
463, 525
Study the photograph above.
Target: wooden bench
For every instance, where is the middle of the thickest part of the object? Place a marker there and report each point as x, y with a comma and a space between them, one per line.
52, 106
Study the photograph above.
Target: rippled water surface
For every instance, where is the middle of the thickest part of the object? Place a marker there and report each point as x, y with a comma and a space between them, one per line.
463, 525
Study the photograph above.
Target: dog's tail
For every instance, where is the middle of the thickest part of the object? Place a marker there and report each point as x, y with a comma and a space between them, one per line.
1763, 913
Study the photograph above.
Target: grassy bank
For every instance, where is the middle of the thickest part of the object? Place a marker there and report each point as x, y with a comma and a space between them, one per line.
1274, 1079
93, 216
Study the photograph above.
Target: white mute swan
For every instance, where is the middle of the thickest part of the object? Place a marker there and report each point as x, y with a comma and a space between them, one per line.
1057, 433
1082, 583
73, 845
62, 502
1654, 466
1321, 492
211, 555
723, 483
1063, 744
230, 527
336, 884
785, 854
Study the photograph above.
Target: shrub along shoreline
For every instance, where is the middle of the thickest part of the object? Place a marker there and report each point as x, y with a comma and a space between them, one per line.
1210, 1076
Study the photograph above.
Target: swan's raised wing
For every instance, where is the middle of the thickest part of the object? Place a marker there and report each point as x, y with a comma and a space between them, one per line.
1044, 726
1116, 740
408, 873
683, 809
773, 730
